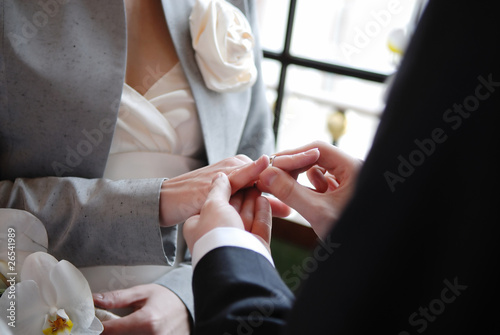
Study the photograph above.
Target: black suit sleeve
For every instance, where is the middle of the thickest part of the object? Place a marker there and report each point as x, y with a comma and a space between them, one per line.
237, 291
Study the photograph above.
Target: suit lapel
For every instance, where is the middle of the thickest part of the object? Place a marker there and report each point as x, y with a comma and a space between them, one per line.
222, 116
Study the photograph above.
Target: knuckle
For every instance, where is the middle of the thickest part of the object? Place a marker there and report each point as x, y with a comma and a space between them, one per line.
113, 296
318, 143
211, 205
263, 221
231, 161
285, 190
150, 322
243, 158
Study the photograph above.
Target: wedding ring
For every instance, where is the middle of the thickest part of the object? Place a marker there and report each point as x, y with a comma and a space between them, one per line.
271, 160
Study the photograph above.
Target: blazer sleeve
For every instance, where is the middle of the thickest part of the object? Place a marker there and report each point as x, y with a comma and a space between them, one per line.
179, 281
91, 221
237, 290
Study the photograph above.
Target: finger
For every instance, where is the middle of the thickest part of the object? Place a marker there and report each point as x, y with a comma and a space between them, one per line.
243, 158
332, 158
237, 200
304, 148
332, 181
285, 188
118, 298
220, 190
248, 174
316, 176
248, 207
190, 224
279, 208
189, 230
104, 315
133, 323
298, 162
263, 220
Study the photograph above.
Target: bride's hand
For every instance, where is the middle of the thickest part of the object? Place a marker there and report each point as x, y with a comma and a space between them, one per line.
183, 196
157, 311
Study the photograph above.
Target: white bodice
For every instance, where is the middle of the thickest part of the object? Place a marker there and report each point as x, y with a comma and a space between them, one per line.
158, 134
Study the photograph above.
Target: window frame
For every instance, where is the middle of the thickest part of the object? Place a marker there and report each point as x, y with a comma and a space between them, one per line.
285, 58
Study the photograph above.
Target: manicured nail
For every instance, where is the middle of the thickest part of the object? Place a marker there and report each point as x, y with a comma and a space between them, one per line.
98, 296
263, 158
312, 152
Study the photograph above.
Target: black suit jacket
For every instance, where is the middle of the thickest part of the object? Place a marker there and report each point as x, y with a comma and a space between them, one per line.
416, 249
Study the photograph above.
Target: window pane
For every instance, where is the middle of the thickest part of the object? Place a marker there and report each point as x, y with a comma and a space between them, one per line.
273, 18
349, 32
313, 96
270, 74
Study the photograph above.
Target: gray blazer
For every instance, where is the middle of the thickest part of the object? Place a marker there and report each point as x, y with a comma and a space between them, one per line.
62, 66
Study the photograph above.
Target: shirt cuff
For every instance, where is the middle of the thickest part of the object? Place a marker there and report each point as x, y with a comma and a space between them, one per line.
228, 237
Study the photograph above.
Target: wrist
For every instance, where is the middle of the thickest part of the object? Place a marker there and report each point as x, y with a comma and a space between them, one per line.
167, 205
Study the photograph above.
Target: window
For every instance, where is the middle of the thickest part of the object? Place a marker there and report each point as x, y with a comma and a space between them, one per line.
325, 67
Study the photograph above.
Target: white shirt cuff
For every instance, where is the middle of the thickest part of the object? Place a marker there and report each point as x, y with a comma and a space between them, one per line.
227, 237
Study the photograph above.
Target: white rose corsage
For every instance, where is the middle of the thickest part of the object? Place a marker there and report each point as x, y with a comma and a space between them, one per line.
223, 43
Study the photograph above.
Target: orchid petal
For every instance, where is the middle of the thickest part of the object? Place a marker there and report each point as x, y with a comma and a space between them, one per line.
397, 41
73, 294
30, 309
95, 328
37, 267
27, 235
31, 234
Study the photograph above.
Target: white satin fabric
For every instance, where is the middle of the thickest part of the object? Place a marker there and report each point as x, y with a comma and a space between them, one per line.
157, 135
223, 42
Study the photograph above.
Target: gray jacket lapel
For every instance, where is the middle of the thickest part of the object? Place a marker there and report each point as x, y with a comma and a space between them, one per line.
222, 116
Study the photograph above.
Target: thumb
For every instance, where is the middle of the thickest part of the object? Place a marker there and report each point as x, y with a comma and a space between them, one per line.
189, 231
284, 187
220, 189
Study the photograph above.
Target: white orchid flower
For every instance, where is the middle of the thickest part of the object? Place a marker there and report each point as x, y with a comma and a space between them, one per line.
52, 298
397, 41
21, 234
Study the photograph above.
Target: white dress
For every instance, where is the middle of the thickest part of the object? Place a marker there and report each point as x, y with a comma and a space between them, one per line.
157, 135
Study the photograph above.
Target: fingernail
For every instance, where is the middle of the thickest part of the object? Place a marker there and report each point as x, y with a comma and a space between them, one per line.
268, 176
98, 296
263, 158
312, 152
